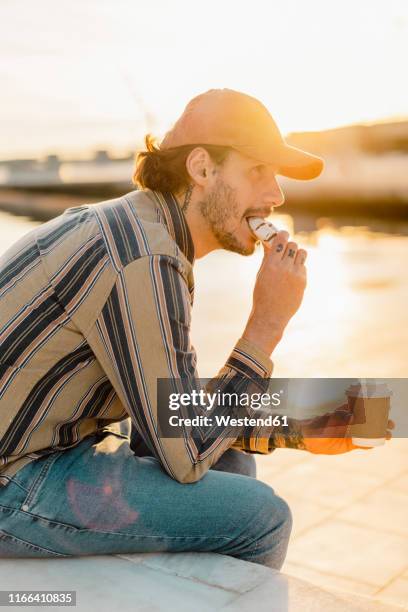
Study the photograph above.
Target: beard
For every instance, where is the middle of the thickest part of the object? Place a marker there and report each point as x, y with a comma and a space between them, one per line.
220, 209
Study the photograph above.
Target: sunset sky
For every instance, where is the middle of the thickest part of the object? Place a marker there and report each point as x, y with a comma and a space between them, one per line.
80, 74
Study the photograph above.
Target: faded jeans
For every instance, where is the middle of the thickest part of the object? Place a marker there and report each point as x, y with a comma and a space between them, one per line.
102, 497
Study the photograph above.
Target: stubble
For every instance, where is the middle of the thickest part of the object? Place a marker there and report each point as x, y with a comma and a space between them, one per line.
221, 212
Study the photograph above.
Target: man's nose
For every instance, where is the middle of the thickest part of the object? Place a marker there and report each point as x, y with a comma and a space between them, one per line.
274, 196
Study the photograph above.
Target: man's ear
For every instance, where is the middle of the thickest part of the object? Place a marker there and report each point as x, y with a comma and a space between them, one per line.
198, 165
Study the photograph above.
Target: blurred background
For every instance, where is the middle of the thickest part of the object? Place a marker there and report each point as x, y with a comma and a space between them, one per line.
83, 81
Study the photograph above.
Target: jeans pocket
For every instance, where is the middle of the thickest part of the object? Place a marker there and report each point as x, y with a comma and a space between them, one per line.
33, 476
12, 546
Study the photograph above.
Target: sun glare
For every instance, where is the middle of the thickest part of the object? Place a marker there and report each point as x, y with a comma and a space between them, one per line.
99, 76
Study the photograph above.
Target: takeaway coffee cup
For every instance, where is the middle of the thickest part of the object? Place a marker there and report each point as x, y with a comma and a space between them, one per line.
370, 403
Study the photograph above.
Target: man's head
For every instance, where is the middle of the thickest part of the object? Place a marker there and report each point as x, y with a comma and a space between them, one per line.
220, 160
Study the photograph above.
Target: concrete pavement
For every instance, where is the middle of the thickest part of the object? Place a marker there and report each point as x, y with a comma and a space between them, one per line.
350, 518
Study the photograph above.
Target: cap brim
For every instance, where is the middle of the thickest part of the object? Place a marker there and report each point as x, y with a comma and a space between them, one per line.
298, 164
290, 161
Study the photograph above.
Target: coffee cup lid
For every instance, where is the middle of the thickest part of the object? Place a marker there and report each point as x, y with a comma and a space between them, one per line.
369, 389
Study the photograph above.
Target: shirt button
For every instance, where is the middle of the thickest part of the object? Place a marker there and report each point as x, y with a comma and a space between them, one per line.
25, 507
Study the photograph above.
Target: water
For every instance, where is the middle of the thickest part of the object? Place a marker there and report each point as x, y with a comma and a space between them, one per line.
353, 319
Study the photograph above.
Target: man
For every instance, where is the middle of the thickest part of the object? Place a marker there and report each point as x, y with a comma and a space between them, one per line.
96, 307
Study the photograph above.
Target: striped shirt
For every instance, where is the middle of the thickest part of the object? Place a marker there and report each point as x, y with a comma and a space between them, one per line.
95, 307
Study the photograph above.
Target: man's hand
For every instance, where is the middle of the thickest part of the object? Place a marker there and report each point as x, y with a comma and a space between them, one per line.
335, 426
278, 292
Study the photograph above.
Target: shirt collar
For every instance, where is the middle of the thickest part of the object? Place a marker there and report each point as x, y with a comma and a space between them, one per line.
176, 223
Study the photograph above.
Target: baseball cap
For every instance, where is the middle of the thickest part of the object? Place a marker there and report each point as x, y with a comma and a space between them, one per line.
234, 119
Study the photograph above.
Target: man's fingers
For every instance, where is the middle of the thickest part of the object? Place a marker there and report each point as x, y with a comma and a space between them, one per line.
390, 426
278, 245
289, 254
337, 443
362, 447
283, 249
300, 257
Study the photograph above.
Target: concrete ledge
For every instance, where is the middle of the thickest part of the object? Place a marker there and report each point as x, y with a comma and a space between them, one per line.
163, 581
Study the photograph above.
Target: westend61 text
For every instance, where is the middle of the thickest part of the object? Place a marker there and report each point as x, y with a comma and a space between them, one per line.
209, 400
228, 421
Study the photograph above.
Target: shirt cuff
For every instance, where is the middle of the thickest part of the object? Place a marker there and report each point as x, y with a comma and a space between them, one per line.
252, 444
264, 440
250, 360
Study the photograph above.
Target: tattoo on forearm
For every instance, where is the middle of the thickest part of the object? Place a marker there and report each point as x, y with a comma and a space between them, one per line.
187, 198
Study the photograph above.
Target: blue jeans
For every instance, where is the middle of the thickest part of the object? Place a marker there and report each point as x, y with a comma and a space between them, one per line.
100, 497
